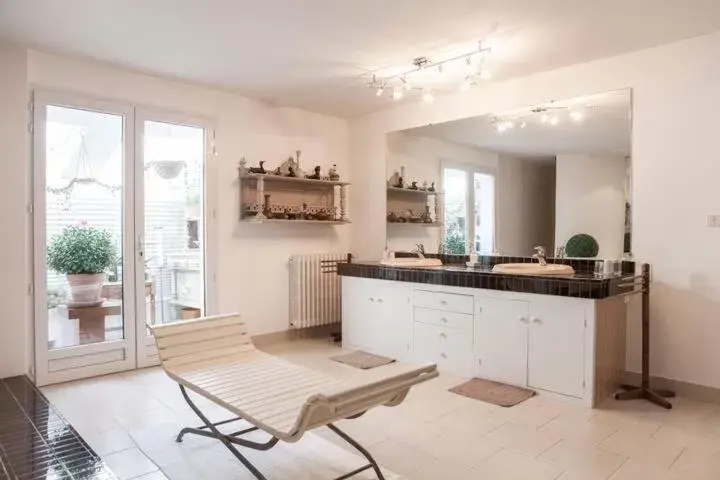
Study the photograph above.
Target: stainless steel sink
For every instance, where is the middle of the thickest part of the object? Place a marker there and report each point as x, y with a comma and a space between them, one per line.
533, 269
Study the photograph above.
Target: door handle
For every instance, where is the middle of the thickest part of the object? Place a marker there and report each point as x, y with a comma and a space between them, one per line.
442, 335
379, 300
522, 319
536, 320
140, 245
443, 319
443, 355
370, 299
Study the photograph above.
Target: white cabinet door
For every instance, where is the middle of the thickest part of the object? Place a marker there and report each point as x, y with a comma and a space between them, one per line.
358, 311
501, 339
449, 348
393, 323
556, 345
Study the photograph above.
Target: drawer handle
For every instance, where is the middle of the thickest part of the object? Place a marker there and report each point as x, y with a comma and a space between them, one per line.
443, 355
522, 319
536, 320
442, 335
379, 300
443, 302
370, 299
443, 319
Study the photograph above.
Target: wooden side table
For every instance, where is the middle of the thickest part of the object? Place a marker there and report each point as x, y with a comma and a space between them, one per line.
91, 320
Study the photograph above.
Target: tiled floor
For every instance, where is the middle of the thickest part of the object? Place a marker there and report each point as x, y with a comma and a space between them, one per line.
37, 443
131, 418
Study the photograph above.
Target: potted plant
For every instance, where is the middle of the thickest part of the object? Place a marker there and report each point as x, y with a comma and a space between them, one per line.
84, 253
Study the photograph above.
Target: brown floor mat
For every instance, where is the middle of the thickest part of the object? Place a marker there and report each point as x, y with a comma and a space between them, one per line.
493, 392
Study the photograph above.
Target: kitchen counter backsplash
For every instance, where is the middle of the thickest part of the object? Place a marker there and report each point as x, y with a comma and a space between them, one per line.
583, 284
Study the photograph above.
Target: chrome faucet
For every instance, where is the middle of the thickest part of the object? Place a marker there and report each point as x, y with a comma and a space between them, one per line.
540, 255
420, 250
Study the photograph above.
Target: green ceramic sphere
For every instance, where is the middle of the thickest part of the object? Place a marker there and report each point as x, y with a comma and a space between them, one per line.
582, 245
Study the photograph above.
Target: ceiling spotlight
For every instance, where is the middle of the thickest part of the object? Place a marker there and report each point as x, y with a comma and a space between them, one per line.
523, 125
467, 83
577, 115
544, 118
554, 120
428, 96
380, 90
469, 64
509, 124
397, 93
440, 69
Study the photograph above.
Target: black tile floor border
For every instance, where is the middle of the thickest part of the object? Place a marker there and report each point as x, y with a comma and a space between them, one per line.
36, 442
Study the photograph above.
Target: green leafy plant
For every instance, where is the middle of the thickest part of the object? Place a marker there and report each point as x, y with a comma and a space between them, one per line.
81, 249
582, 245
454, 242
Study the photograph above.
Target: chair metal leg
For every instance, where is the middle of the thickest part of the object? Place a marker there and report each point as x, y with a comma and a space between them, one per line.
373, 464
210, 430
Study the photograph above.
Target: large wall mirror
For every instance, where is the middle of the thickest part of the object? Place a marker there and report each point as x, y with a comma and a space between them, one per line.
556, 175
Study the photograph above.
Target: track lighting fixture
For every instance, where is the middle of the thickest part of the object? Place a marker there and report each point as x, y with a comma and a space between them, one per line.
444, 69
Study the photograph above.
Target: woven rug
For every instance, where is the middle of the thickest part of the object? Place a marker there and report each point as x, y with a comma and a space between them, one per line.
362, 360
493, 392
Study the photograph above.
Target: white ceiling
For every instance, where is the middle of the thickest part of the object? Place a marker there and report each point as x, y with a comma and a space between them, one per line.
604, 129
311, 53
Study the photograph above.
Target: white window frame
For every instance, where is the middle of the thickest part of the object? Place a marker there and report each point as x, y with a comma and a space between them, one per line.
134, 346
470, 213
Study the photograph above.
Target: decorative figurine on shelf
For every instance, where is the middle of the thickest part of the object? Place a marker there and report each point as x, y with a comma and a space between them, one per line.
401, 180
394, 179
424, 187
432, 187
413, 186
426, 218
258, 170
332, 173
288, 166
316, 175
242, 166
267, 212
304, 212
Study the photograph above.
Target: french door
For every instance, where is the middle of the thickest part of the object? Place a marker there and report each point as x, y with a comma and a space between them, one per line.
119, 192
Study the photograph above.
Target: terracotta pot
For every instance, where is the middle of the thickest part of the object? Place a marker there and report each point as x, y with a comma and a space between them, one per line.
86, 287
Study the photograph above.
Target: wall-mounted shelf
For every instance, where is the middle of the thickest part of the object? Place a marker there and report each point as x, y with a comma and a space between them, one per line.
417, 224
299, 196
297, 180
408, 191
286, 220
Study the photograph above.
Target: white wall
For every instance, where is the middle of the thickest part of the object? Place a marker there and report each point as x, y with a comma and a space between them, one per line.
422, 158
252, 259
14, 332
675, 172
590, 198
525, 205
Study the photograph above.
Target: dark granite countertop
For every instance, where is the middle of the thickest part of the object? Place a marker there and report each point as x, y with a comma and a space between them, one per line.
583, 284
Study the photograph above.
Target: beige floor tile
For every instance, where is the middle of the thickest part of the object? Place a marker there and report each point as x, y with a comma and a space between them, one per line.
698, 463
457, 450
444, 471
533, 412
152, 476
633, 470
402, 458
660, 452
109, 441
129, 463
519, 438
506, 465
578, 430
583, 460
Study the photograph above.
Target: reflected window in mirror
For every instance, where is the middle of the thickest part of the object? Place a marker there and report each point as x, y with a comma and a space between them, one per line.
469, 209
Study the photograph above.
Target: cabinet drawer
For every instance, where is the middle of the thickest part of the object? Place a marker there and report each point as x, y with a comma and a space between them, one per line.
451, 302
450, 348
443, 318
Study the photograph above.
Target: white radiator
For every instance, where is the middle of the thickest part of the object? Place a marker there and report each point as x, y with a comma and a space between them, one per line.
315, 289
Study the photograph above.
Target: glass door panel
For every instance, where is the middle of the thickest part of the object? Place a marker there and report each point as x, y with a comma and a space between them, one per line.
455, 186
484, 197
84, 298
173, 242
84, 227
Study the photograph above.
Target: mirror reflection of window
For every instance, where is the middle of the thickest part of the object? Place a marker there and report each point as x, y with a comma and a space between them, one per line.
465, 200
